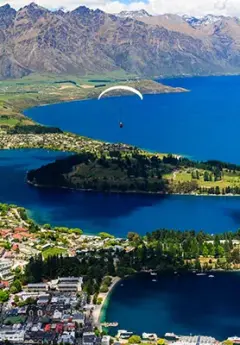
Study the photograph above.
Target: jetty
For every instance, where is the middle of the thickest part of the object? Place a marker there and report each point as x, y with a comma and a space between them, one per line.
109, 324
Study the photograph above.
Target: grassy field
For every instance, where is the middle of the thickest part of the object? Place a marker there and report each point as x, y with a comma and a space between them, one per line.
52, 252
228, 179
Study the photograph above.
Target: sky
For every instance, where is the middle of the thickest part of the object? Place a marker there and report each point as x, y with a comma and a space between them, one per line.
190, 7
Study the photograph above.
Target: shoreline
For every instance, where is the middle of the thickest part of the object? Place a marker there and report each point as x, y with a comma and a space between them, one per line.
98, 312
130, 192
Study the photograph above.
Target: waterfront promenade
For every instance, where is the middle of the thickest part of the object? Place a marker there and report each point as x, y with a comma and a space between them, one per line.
104, 296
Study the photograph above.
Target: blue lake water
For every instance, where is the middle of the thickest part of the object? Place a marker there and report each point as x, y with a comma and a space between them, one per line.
184, 305
203, 123
117, 214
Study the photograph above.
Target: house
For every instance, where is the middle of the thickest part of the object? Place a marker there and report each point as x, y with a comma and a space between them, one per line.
67, 337
57, 315
89, 338
43, 299
78, 318
20, 229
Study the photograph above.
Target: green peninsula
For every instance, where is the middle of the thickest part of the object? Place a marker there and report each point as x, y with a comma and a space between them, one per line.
123, 168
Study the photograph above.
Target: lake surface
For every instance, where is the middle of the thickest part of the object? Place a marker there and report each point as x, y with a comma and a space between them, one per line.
203, 123
181, 304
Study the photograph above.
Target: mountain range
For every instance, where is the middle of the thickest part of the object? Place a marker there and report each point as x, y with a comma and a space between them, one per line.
84, 41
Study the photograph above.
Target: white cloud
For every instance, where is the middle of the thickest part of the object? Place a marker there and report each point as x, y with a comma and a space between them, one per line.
192, 7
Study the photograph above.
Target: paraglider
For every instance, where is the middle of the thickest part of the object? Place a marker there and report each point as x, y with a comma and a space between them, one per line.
121, 87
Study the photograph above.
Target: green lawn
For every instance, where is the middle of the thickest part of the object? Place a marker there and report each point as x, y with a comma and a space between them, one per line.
15, 319
228, 179
53, 251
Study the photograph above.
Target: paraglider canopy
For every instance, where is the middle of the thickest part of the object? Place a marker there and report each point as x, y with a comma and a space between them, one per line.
121, 87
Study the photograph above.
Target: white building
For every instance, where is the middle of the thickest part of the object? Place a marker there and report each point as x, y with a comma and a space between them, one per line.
106, 340
70, 284
12, 335
37, 287
5, 270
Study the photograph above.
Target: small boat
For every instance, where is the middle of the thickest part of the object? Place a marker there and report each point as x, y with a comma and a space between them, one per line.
175, 272
153, 273
211, 276
154, 280
121, 284
201, 274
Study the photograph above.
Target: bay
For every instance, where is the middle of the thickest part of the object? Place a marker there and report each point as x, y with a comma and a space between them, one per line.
185, 305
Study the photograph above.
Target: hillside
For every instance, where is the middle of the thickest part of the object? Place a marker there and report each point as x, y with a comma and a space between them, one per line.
123, 170
127, 169
83, 41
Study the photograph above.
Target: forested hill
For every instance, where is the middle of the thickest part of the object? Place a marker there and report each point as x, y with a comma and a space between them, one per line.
118, 171
128, 169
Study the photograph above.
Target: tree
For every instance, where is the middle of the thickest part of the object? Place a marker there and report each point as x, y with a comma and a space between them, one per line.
161, 341
133, 237
16, 286
4, 296
105, 235
134, 339
206, 176
205, 250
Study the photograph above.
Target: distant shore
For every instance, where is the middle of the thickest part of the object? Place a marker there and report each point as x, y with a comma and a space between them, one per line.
99, 309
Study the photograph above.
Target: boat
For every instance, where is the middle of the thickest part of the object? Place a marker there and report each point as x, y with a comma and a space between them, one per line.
154, 280
123, 334
121, 284
149, 336
171, 336
201, 274
153, 273
211, 276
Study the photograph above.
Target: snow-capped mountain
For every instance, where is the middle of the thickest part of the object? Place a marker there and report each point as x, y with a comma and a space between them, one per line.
134, 14
206, 20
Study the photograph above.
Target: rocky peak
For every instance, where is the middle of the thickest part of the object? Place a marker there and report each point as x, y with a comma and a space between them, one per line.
7, 15
33, 11
134, 14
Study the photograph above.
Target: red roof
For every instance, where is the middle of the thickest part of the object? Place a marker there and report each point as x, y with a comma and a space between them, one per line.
47, 328
17, 237
15, 247
59, 328
20, 229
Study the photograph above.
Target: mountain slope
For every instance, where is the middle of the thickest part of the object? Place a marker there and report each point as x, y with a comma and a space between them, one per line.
84, 41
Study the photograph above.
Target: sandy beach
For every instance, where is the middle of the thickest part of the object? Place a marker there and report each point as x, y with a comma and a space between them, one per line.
98, 308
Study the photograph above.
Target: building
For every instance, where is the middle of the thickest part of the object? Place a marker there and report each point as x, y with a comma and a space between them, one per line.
70, 284
67, 338
78, 318
106, 340
5, 270
37, 287
89, 338
12, 336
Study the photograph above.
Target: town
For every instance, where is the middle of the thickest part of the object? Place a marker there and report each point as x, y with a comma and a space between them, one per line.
55, 281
